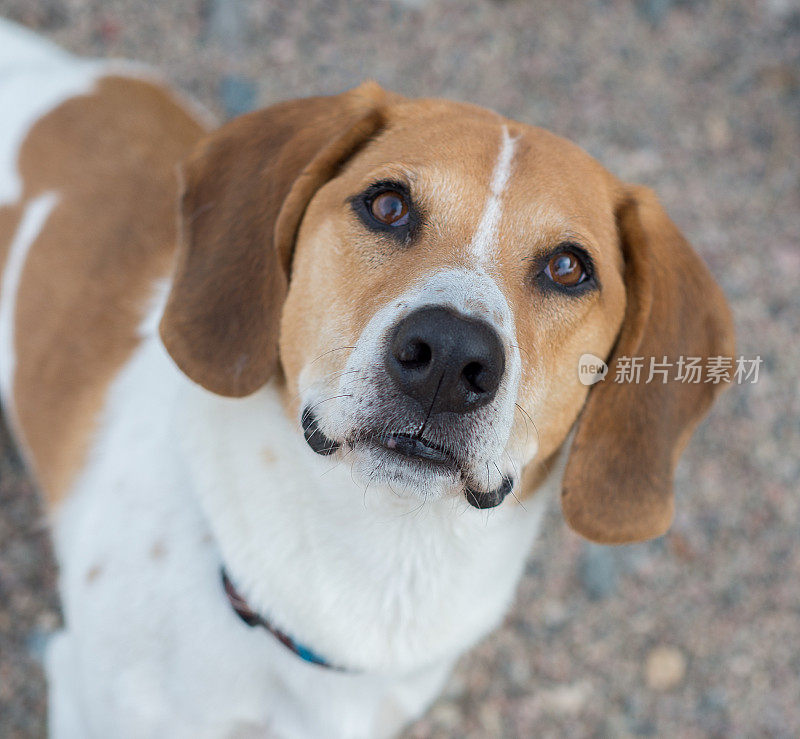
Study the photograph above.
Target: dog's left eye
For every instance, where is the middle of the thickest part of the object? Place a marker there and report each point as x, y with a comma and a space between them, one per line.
566, 269
390, 208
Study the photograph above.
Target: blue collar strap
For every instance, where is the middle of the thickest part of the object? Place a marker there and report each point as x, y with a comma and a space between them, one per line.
251, 618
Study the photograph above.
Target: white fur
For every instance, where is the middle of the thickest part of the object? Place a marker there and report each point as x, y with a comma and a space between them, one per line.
376, 583
33, 219
485, 238
19, 46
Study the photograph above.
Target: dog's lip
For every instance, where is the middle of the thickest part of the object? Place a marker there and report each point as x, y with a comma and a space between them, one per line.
415, 447
411, 446
490, 498
315, 438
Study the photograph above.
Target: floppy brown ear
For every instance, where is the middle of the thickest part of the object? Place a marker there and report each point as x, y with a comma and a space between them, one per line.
246, 188
618, 482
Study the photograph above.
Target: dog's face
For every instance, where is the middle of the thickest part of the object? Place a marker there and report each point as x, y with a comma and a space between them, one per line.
427, 275
443, 288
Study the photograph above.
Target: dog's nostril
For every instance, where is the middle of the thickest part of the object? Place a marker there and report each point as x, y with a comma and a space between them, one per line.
474, 374
414, 354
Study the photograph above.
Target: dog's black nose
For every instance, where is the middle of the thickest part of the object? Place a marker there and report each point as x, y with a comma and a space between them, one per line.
445, 361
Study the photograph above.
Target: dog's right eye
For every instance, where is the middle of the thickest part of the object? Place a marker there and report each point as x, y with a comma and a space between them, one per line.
390, 208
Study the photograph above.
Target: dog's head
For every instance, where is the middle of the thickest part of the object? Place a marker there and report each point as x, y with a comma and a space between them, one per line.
422, 277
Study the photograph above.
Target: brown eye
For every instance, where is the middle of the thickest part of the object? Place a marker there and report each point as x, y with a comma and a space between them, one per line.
566, 268
390, 208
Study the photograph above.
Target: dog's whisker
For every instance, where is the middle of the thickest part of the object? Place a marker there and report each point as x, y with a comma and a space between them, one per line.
364, 496
527, 416
514, 466
522, 349
516, 472
330, 351
335, 374
338, 462
326, 400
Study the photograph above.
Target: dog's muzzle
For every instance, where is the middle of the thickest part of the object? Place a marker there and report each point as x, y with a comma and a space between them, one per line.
439, 366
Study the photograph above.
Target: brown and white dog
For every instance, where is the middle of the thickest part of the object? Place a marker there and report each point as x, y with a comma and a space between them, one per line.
345, 377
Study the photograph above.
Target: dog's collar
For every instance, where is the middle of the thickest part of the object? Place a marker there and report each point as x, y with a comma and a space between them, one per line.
251, 618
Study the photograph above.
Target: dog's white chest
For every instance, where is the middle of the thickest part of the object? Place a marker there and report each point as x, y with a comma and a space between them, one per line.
391, 588
401, 583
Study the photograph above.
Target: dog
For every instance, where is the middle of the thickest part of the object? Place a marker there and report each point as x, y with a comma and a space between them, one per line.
296, 389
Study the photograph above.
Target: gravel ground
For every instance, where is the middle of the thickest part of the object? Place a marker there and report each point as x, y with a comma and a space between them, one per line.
695, 634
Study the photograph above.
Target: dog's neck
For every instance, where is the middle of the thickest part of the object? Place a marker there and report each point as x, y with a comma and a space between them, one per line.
401, 582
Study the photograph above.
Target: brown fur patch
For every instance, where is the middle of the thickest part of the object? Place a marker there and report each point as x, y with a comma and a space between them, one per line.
10, 216
110, 157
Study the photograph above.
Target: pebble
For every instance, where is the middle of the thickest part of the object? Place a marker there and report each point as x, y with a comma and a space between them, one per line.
654, 11
665, 668
567, 700
36, 644
226, 23
597, 570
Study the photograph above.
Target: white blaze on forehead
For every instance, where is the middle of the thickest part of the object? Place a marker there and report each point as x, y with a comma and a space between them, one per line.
486, 234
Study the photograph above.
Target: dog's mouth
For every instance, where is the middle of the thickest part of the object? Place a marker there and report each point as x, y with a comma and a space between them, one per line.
408, 449
415, 447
